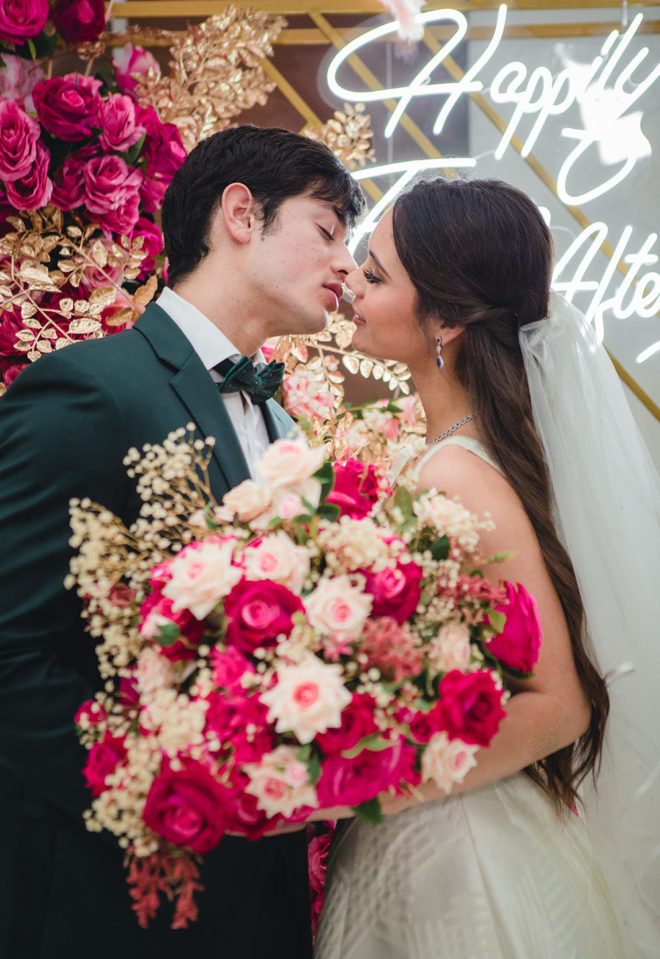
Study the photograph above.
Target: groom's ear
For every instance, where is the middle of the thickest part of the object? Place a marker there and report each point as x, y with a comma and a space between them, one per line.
238, 211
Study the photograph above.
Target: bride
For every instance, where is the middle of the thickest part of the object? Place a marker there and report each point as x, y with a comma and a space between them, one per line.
525, 420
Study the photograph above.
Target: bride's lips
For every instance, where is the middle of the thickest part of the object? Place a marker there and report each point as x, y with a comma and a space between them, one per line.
359, 320
337, 291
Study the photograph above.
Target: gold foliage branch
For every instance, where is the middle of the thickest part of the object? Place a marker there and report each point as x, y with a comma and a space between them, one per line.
348, 134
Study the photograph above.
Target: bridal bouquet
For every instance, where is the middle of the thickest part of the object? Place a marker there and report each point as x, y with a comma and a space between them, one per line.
310, 642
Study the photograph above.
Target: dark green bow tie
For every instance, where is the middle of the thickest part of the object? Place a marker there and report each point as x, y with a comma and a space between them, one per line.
261, 383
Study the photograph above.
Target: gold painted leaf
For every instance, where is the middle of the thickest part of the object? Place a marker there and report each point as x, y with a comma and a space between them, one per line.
25, 336
145, 293
66, 305
80, 326
81, 307
351, 363
28, 309
366, 366
102, 296
44, 346
33, 355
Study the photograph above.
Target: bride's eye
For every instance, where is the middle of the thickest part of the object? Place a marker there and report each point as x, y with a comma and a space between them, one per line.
371, 277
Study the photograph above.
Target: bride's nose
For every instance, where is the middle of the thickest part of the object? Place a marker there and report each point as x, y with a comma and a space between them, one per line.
351, 285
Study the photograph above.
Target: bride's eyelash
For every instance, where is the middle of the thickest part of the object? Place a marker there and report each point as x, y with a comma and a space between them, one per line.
370, 277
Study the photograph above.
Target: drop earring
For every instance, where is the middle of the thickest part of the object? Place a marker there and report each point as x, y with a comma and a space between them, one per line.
438, 352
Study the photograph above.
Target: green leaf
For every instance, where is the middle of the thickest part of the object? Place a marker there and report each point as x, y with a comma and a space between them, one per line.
329, 511
304, 753
403, 501
369, 812
440, 549
497, 620
168, 634
326, 477
131, 155
314, 769
374, 742
32, 48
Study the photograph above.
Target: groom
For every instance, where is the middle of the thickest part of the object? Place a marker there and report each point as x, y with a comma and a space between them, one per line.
254, 224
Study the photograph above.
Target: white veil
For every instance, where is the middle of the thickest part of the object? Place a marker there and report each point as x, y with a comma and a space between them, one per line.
606, 501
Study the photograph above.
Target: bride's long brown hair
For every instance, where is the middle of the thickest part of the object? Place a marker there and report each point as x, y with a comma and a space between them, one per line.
480, 256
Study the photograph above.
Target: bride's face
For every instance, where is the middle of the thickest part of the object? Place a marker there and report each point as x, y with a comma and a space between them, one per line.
384, 305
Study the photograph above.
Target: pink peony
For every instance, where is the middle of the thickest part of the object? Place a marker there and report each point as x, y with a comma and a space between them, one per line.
152, 244
357, 721
69, 182
349, 782
119, 123
20, 20
68, 106
79, 20
188, 807
517, 646
35, 188
103, 758
258, 612
356, 488
112, 192
395, 590
392, 648
129, 62
472, 706
19, 136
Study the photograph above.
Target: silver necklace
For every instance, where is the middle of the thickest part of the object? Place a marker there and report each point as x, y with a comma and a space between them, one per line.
452, 429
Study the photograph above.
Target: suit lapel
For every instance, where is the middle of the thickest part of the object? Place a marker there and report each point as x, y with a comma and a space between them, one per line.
278, 423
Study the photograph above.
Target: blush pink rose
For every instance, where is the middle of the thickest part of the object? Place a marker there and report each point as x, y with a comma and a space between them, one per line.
472, 706
357, 721
119, 123
68, 106
130, 62
188, 807
349, 782
35, 188
112, 192
103, 759
356, 488
258, 612
19, 135
517, 646
78, 21
152, 244
395, 590
20, 20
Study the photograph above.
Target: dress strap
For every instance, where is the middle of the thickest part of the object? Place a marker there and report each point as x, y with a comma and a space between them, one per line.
467, 442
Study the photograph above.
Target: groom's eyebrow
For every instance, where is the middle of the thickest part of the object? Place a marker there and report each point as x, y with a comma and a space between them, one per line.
378, 263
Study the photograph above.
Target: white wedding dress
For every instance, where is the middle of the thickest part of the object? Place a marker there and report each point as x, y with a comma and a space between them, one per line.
492, 873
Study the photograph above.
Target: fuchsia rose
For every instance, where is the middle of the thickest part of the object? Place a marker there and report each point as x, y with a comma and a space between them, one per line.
103, 759
12, 371
35, 188
20, 20
472, 706
156, 612
228, 667
112, 192
246, 816
357, 721
188, 807
129, 62
68, 106
79, 20
423, 725
19, 136
258, 612
152, 244
240, 722
152, 193
69, 182
163, 150
395, 590
356, 488
119, 123
517, 646
90, 713
349, 782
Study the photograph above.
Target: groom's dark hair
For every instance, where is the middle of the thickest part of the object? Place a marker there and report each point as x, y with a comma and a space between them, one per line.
273, 164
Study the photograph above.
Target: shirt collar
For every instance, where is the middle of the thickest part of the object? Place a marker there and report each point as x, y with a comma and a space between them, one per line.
209, 342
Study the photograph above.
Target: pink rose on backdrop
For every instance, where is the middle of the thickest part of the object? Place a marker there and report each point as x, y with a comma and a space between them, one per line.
188, 807
112, 192
20, 20
163, 150
517, 646
356, 488
103, 759
258, 612
129, 62
357, 721
79, 20
472, 706
17, 79
119, 123
11, 371
353, 781
35, 188
152, 193
69, 181
395, 590
152, 244
68, 106
19, 135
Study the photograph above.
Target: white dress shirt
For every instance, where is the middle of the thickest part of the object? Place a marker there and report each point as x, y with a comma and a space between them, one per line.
212, 347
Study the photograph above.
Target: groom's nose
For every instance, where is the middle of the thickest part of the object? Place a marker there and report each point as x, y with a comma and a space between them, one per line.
343, 263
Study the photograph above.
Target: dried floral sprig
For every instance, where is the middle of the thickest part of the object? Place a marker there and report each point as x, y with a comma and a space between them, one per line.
215, 73
348, 134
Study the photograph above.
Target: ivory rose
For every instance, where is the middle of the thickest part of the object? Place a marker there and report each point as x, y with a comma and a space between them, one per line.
441, 513
247, 500
336, 606
288, 462
281, 782
202, 575
450, 649
446, 762
153, 672
276, 557
308, 698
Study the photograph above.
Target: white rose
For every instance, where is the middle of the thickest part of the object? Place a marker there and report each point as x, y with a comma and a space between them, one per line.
154, 672
308, 698
289, 462
280, 782
277, 558
450, 649
336, 606
447, 761
247, 500
202, 575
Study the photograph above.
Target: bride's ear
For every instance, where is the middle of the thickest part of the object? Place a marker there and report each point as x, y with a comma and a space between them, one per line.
448, 333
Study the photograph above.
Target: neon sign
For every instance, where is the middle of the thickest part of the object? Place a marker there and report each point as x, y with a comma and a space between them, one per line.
605, 90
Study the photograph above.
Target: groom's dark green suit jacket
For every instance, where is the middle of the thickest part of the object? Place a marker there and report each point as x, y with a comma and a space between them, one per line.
65, 426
